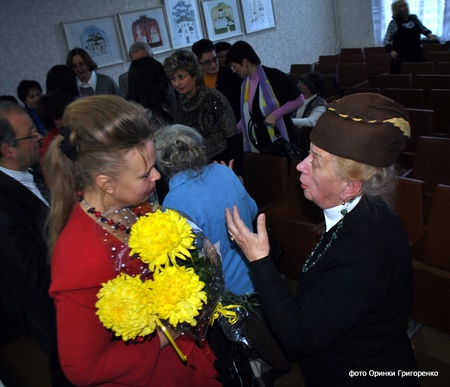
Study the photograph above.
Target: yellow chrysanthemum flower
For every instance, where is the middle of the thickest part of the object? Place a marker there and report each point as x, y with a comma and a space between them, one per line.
177, 294
161, 235
124, 306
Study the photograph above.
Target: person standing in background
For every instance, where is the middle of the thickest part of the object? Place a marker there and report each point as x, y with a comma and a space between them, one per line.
136, 51
402, 39
268, 98
218, 77
204, 109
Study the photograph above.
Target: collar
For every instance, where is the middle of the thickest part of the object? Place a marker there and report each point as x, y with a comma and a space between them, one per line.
26, 179
333, 214
92, 82
210, 80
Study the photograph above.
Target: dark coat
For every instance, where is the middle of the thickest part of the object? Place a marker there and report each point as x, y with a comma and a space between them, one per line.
352, 307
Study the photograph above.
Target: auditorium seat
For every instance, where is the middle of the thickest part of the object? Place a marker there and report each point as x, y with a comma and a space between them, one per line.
431, 267
265, 177
296, 223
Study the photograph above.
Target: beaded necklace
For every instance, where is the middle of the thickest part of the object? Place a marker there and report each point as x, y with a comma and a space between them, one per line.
311, 260
115, 225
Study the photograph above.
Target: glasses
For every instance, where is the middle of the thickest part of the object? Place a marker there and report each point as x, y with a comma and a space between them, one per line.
208, 62
79, 65
34, 135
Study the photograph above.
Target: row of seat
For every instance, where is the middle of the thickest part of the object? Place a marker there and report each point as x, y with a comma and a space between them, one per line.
430, 244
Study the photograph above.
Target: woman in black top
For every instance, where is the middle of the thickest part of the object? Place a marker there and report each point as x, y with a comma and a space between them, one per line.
348, 321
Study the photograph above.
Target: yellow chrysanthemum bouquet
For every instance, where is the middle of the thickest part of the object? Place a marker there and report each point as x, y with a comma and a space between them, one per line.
185, 287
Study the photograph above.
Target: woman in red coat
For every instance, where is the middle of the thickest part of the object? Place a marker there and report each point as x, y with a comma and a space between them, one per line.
103, 166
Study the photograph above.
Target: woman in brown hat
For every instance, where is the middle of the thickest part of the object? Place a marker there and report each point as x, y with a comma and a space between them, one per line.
348, 323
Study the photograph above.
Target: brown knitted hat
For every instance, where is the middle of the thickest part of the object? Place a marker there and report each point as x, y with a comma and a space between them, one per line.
365, 127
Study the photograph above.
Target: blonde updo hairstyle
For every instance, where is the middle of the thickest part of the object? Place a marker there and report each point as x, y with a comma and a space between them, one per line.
100, 131
377, 182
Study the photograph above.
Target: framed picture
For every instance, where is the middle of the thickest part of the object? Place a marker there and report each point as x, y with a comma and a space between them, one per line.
258, 15
222, 19
184, 22
99, 37
148, 26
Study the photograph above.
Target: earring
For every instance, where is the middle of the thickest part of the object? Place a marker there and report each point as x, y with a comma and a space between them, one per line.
344, 211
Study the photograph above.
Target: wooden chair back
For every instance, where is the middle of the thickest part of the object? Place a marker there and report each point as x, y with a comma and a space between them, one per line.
397, 81
353, 75
374, 50
437, 247
265, 177
432, 162
409, 98
329, 58
351, 51
439, 101
326, 68
442, 68
418, 68
352, 58
409, 206
300, 68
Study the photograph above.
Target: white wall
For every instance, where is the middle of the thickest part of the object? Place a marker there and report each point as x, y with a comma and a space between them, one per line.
33, 39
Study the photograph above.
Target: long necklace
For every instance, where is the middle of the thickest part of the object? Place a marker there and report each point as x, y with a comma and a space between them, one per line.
312, 260
128, 218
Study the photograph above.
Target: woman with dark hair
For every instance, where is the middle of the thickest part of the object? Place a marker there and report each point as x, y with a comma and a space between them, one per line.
62, 78
89, 82
204, 109
402, 39
148, 85
30, 92
51, 108
268, 98
349, 317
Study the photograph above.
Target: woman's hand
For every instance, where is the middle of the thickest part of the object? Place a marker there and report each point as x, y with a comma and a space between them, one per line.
270, 120
254, 246
163, 338
393, 54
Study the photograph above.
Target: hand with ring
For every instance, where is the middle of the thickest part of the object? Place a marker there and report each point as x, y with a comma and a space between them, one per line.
254, 245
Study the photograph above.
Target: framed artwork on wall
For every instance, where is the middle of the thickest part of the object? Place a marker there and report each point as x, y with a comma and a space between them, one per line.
183, 18
222, 19
99, 37
258, 15
148, 26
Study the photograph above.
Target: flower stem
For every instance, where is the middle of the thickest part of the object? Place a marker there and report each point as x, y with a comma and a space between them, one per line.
172, 341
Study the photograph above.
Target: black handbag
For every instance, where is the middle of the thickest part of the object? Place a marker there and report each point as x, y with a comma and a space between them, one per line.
259, 137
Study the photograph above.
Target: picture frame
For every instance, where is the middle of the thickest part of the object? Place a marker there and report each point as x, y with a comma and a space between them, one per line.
184, 21
258, 15
222, 19
148, 26
99, 37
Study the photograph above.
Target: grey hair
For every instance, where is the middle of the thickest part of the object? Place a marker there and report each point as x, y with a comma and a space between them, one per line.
179, 148
139, 46
377, 182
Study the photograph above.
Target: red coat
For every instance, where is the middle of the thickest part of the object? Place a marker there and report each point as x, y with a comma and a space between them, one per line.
82, 261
